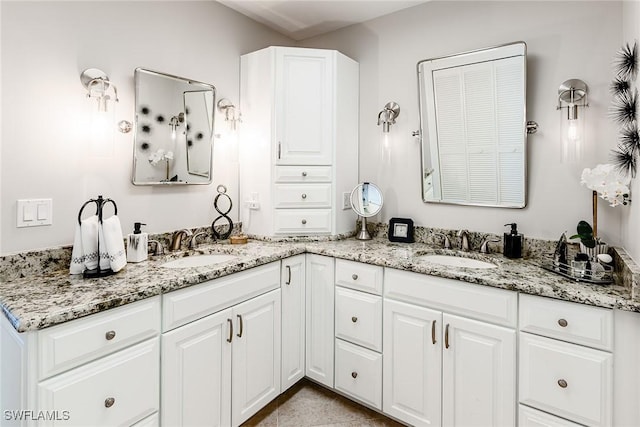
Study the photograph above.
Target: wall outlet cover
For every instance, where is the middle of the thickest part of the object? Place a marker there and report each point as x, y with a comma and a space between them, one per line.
346, 201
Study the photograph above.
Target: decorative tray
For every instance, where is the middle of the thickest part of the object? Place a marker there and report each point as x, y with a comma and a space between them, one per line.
599, 274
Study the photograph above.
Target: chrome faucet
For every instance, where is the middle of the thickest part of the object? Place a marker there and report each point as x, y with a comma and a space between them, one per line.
192, 242
176, 240
464, 240
446, 243
484, 246
158, 247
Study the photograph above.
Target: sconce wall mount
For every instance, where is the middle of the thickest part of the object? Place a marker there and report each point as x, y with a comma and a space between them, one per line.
572, 96
388, 115
97, 84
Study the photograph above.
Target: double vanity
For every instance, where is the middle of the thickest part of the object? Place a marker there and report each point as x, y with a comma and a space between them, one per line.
209, 337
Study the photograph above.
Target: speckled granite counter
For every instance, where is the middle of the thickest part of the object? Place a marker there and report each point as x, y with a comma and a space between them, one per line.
40, 300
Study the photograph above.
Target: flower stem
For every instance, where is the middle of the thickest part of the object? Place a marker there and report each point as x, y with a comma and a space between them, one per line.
594, 203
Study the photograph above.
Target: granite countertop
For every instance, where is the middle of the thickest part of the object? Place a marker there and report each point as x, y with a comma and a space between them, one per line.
37, 301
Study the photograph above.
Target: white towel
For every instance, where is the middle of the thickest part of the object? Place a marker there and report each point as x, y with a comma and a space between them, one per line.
84, 255
77, 256
112, 253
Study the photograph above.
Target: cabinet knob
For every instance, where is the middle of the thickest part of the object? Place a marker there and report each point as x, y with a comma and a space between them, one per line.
354, 276
110, 335
304, 196
109, 402
563, 323
304, 174
562, 383
354, 319
354, 374
304, 221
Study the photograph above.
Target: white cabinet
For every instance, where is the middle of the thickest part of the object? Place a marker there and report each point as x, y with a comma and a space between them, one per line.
319, 318
442, 368
293, 320
298, 140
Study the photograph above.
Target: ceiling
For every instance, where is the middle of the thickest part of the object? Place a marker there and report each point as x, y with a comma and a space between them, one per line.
301, 19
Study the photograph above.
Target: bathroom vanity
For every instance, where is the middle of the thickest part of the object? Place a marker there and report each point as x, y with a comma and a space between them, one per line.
424, 343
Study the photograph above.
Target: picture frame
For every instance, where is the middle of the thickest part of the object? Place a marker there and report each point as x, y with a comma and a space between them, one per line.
401, 230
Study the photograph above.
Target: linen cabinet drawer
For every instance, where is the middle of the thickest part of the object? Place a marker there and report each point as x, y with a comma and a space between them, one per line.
302, 196
359, 373
359, 318
571, 381
303, 174
576, 323
359, 276
119, 389
302, 221
529, 417
71, 344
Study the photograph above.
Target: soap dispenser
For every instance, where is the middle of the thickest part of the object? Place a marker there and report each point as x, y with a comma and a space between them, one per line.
513, 242
137, 244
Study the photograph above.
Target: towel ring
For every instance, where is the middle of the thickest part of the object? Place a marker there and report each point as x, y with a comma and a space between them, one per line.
100, 202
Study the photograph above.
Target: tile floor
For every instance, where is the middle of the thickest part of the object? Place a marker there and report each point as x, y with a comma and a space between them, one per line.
307, 404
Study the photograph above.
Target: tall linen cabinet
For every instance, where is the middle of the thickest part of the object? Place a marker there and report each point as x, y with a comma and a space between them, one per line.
298, 141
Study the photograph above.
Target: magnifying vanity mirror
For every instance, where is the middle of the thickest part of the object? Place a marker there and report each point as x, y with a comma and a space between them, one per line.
173, 142
473, 127
366, 201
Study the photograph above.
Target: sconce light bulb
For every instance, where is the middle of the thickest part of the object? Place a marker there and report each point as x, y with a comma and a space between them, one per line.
572, 130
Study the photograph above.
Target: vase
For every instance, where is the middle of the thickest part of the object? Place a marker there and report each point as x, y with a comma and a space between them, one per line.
600, 248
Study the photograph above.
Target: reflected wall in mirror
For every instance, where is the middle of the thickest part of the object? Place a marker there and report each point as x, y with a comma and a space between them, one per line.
473, 127
173, 141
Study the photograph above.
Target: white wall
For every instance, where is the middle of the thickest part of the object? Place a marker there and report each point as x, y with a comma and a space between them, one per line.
45, 47
564, 39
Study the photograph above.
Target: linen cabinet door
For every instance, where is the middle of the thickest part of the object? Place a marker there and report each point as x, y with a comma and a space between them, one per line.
478, 373
256, 349
412, 363
196, 373
293, 320
304, 110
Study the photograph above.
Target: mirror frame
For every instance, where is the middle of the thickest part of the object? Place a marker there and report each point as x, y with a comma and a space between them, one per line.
188, 81
466, 59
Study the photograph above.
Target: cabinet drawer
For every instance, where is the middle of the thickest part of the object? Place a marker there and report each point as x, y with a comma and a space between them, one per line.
150, 421
71, 344
359, 276
568, 380
303, 174
302, 196
119, 389
359, 318
189, 304
493, 305
577, 323
302, 221
529, 417
359, 373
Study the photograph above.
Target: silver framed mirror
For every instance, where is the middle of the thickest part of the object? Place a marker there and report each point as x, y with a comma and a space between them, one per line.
173, 140
473, 127
366, 201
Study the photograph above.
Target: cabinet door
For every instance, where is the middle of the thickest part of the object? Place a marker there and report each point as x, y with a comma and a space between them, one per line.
412, 363
304, 110
255, 377
320, 320
293, 320
196, 373
478, 373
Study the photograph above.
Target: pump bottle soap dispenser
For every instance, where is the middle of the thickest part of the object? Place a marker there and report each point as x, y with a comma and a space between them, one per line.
513, 242
137, 249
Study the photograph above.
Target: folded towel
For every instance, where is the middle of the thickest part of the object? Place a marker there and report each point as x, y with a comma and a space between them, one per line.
112, 245
84, 255
77, 256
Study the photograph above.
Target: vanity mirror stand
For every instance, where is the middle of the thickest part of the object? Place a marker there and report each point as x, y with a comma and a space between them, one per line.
366, 201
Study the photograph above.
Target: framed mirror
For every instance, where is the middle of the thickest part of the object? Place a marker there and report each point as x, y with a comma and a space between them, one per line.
173, 141
473, 127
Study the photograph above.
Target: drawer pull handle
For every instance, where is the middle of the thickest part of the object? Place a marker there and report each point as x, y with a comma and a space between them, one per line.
446, 336
304, 196
563, 323
354, 319
562, 383
433, 332
354, 276
109, 402
230, 330
110, 335
239, 335
354, 374
304, 221
304, 174
288, 282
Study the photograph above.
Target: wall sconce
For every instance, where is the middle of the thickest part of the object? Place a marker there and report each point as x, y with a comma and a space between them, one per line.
229, 110
388, 116
174, 122
572, 95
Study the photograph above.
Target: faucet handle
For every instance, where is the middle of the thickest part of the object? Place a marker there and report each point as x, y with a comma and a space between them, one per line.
463, 232
192, 242
446, 244
159, 250
484, 246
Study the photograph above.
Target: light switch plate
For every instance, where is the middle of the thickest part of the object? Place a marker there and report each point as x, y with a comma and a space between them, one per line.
34, 212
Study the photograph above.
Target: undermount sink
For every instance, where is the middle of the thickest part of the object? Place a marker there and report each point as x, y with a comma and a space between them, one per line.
198, 260
456, 261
